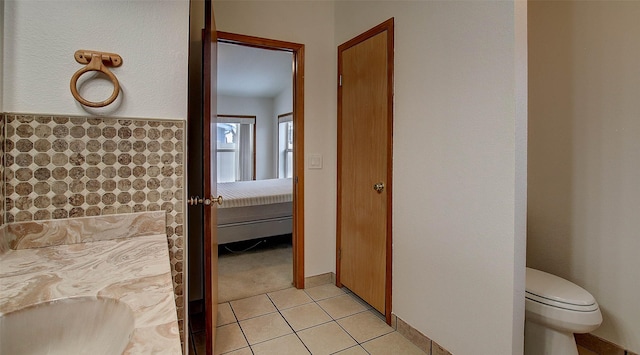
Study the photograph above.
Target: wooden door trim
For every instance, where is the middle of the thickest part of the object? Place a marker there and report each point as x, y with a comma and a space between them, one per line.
298, 138
385, 26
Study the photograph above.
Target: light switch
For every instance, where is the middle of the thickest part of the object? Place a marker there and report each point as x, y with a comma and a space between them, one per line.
315, 161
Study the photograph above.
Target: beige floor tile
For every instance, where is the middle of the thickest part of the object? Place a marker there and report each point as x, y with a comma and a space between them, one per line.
225, 314
228, 338
355, 350
252, 307
288, 298
324, 291
585, 351
286, 345
327, 338
359, 300
341, 306
243, 351
305, 316
391, 344
265, 328
364, 326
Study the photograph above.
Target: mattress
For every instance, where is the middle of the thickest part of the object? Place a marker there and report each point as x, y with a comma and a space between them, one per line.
256, 213
255, 192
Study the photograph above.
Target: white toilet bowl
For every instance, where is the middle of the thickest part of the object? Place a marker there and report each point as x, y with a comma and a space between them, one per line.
555, 309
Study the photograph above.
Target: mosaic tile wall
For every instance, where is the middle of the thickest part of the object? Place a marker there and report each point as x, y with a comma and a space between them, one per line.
62, 167
2, 187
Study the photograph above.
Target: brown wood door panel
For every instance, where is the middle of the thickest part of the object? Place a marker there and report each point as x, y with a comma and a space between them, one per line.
364, 152
209, 96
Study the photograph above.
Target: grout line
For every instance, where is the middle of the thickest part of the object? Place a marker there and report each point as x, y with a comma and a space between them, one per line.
289, 324
349, 334
239, 326
316, 302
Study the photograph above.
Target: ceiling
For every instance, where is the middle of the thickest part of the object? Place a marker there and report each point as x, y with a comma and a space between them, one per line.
253, 72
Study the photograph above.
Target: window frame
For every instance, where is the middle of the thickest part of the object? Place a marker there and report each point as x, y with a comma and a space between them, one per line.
283, 118
241, 119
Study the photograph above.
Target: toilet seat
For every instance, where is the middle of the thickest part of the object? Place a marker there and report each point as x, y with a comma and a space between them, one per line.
555, 310
553, 291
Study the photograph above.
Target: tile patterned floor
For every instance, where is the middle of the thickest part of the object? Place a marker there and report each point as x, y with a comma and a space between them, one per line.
320, 320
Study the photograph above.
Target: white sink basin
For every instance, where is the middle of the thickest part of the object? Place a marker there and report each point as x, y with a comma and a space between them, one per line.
82, 325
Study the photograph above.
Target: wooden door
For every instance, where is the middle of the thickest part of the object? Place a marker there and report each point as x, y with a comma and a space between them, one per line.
201, 165
365, 121
210, 55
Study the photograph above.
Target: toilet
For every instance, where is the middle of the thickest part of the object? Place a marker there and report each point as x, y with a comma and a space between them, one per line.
555, 309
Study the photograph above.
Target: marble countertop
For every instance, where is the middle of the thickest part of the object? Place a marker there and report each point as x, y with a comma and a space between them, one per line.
134, 270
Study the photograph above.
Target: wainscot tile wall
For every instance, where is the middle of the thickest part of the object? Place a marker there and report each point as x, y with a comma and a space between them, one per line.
2, 185
59, 167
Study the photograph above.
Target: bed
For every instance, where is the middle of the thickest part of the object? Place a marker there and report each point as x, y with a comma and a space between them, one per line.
254, 209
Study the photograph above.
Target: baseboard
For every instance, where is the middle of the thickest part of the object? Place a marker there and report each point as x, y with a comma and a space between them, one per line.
600, 346
418, 339
588, 341
319, 280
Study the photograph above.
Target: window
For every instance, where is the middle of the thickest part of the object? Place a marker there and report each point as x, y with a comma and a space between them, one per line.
285, 145
235, 148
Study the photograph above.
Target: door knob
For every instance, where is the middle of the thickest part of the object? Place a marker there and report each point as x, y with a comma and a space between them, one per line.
192, 201
217, 200
379, 187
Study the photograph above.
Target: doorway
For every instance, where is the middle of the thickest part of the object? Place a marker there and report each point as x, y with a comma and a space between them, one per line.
365, 123
260, 234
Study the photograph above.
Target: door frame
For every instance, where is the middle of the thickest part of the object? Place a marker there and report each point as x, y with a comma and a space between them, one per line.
385, 26
298, 137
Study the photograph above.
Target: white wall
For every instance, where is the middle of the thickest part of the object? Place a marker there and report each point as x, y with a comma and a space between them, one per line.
266, 127
310, 23
283, 103
152, 37
457, 246
458, 218
584, 154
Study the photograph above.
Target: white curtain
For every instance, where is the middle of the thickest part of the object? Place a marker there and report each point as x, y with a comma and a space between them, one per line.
245, 158
243, 147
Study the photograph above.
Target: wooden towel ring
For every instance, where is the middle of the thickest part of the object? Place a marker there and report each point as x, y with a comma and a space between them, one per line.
96, 61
